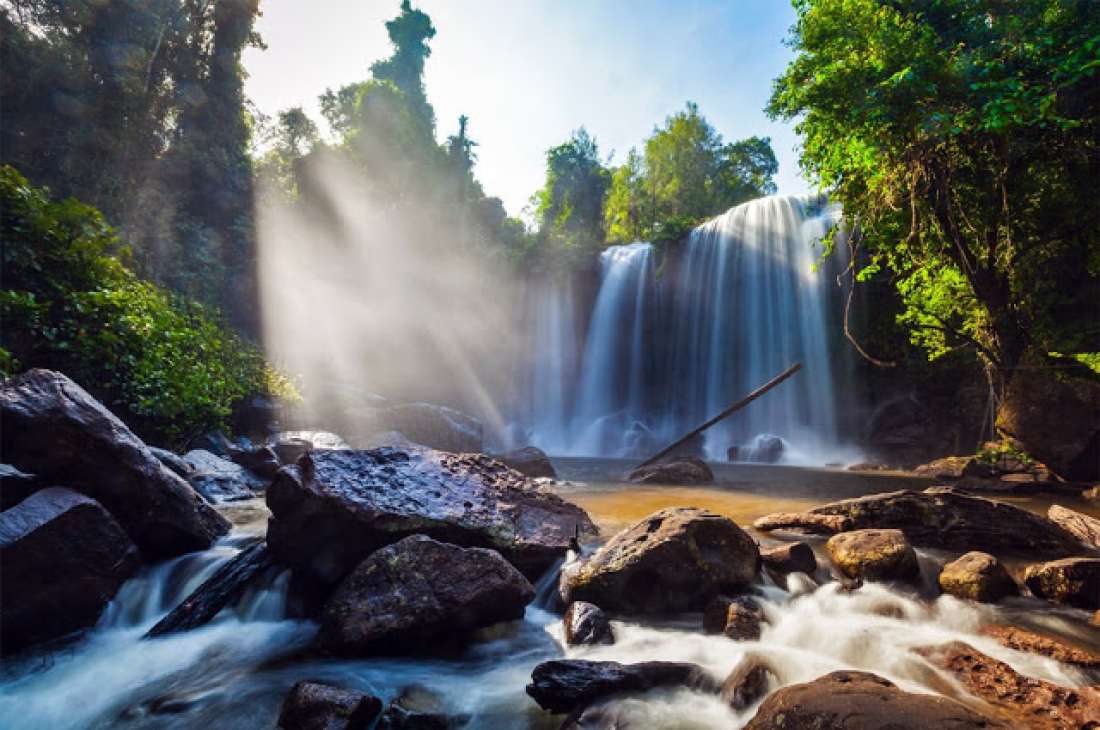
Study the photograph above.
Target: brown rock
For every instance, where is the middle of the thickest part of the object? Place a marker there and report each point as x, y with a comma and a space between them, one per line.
408, 594
948, 519
674, 560
314, 706
674, 470
804, 521
1073, 581
738, 617
793, 557
1048, 646
948, 467
848, 700
568, 685
530, 461
977, 576
747, 683
1092, 493
1087, 529
585, 623
1019, 700
874, 555
1096, 619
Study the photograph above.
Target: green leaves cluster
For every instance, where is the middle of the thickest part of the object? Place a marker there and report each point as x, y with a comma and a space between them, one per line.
168, 366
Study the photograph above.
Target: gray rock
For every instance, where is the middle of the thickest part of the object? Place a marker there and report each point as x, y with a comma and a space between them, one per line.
221, 480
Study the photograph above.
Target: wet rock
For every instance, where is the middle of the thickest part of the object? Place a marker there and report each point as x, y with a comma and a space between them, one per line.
1056, 419
674, 560
290, 445
874, 555
530, 461
1073, 581
948, 519
1084, 527
221, 589
764, 449
792, 557
215, 442
391, 439
675, 470
54, 429
407, 594
1019, 700
1048, 646
418, 708
334, 508
747, 683
977, 576
436, 427
610, 715
171, 460
804, 522
738, 617
585, 623
64, 557
15, 486
221, 480
849, 700
569, 685
315, 706
261, 461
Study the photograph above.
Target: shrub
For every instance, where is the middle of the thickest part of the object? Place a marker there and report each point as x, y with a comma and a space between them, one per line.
171, 368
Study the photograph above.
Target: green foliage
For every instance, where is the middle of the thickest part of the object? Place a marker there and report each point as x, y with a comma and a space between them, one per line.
569, 207
962, 138
685, 175
168, 366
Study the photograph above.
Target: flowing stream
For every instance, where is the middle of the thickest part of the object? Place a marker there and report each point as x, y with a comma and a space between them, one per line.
234, 672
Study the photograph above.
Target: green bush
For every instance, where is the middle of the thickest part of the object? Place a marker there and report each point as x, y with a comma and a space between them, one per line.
167, 366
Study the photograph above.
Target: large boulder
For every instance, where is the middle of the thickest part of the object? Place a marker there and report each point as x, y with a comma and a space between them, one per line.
849, 700
1073, 581
530, 461
874, 555
1056, 419
674, 560
1021, 701
585, 623
674, 470
949, 519
53, 428
977, 576
316, 706
64, 557
221, 480
569, 685
417, 590
437, 427
333, 508
1082, 526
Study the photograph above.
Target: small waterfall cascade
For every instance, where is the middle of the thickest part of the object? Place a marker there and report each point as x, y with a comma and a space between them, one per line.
611, 394
553, 369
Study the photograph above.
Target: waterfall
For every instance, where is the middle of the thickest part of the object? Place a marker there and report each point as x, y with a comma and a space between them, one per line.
554, 364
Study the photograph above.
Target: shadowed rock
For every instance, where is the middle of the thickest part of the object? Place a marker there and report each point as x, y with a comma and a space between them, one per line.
418, 708
64, 557
569, 685
747, 683
261, 461
674, 470
53, 428
874, 555
1073, 581
738, 617
334, 508
793, 557
315, 706
15, 486
530, 461
585, 623
674, 560
221, 480
977, 576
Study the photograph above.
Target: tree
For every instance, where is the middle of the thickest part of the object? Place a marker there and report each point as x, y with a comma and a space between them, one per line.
409, 32
291, 138
962, 138
569, 207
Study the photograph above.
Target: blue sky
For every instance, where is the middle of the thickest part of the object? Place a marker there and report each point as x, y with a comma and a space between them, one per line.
527, 72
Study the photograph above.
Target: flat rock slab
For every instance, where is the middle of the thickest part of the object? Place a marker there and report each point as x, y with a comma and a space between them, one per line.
64, 557
1048, 646
570, 685
803, 522
333, 508
55, 429
849, 700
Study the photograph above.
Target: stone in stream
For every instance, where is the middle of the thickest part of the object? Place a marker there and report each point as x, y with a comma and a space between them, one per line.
948, 519
334, 508
585, 623
738, 617
675, 560
1049, 646
316, 706
64, 557
1084, 527
849, 700
804, 522
791, 557
221, 480
53, 428
290, 445
261, 461
1073, 581
977, 576
747, 683
418, 708
409, 594
530, 461
674, 470
874, 555
570, 685
221, 589
1019, 700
